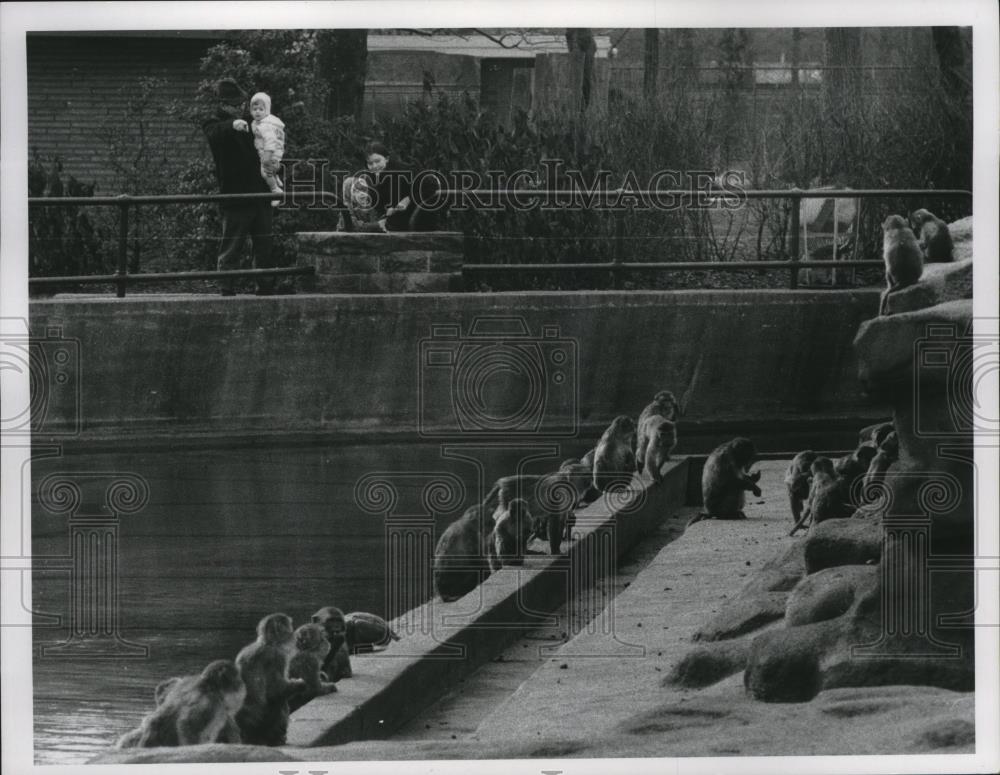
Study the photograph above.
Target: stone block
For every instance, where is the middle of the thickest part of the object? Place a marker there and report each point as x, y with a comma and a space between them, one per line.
346, 263
335, 242
446, 262
405, 261
961, 237
886, 346
341, 283
939, 283
424, 282
383, 282
397, 262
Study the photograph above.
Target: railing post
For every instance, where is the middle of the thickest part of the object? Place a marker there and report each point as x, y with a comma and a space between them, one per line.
794, 240
122, 245
619, 246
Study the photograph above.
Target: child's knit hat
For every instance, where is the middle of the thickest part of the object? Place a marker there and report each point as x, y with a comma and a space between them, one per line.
261, 97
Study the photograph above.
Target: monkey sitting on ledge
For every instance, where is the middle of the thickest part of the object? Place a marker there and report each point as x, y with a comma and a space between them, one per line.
193, 710
264, 668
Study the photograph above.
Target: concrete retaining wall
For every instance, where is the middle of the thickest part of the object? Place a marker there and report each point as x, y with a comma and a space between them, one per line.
336, 365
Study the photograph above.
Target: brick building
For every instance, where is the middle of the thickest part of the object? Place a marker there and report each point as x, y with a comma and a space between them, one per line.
75, 83
75, 80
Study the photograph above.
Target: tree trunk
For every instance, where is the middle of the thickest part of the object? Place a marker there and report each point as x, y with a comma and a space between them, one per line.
582, 47
650, 64
796, 56
843, 78
845, 99
342, 65
950, 49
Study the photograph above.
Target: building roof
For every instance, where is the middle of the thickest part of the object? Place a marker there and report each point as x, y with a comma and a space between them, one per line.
516, 45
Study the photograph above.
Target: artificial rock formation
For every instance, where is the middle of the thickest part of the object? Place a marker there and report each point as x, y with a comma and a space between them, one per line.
885, 597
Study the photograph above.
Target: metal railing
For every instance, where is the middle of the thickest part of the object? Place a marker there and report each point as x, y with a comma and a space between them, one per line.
125, 202
604, 199
618, 265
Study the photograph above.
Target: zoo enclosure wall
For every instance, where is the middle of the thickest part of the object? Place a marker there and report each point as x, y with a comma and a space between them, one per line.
338, 368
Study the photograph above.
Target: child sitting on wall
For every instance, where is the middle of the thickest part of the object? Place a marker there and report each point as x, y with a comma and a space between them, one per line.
357, 195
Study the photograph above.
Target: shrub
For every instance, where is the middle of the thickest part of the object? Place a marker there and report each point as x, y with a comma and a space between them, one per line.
64, 240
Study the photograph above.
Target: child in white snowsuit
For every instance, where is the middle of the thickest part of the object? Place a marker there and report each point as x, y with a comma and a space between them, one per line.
268, 138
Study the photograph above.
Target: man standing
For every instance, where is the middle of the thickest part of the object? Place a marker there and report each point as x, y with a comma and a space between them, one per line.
237, 168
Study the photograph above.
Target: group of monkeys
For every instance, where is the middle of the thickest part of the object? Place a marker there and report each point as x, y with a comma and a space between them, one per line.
905, 254
496, 532
249, 700
820, 488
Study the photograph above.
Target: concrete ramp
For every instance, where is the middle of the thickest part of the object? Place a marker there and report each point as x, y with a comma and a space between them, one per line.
443, 642
582, 693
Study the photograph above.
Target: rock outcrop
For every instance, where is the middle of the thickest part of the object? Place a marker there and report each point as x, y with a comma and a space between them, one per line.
864, 608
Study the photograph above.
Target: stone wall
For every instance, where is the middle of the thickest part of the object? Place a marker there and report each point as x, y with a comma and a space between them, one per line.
398, 262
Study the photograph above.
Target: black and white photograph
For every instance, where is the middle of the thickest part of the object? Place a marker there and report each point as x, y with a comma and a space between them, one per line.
425, 385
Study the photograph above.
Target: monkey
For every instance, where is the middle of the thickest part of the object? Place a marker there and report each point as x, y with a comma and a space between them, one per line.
230, 733
828, 496
657, 438
366, 631
550, 498
726, 478
311, 648
509, 539
163, 688
614, 458
797, 481
193, 710
875, 433
263, 666
583, 468
904, 263
131, 739
850, 467
579, 475
337, 663
888, 453
460, 557
935, 239
663, 404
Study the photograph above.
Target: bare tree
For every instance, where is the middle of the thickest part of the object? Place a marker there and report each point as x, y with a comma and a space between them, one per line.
516, 38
